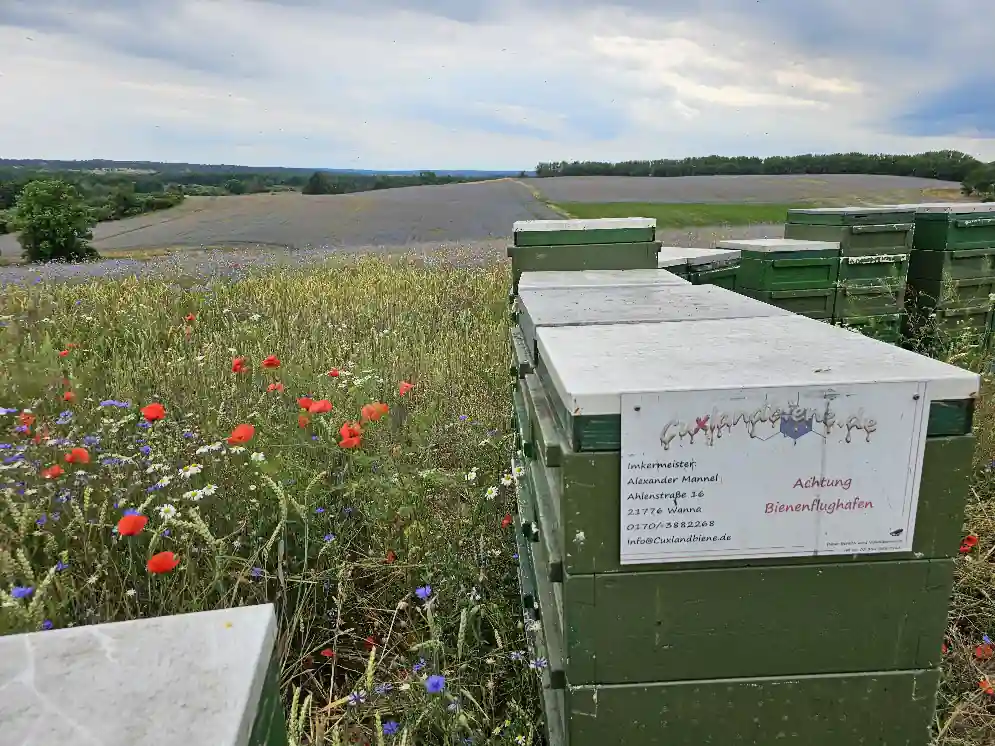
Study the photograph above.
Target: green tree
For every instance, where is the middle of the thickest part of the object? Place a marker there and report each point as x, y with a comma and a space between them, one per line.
235, 186
319, 183
55, 223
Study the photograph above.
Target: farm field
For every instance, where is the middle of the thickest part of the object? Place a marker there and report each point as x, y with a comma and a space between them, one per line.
828, 189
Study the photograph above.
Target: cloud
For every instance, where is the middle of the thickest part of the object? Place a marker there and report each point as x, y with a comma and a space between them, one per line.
488, 83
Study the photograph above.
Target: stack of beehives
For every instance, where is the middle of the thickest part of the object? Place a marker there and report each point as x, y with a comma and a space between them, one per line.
952, 271
707, 485
718, 267
874, 259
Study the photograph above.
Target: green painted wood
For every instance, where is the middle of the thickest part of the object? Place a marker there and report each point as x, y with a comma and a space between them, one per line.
885, 328
809, 270
586, 487
580, 257
523, 431
724, 277
546, 435
603, 432
269, 727
891, 237
521, 364
868, 300
962, 293
856, 215
584, 237
756, 621
953, 231
889, 270
816, 303
955, 264
867, 709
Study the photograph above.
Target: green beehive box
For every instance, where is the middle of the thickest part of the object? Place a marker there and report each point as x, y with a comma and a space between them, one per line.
860, 231
955, 226
719, 267
815, 304
961, 293
868, 300
581, 232
955, 264
887, 270
626, 305
777, 264
592, 421
885, 328
890, 709
973, 322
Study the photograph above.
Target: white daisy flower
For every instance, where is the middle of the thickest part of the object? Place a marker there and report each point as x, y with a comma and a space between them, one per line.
258, 457
491, 493
209, 490
188, 471
168, 511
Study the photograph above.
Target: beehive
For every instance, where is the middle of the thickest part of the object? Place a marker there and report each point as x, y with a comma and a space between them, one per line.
605, 243
770, 626
794, 274
952, 270
860, 231
702, 266
617, 305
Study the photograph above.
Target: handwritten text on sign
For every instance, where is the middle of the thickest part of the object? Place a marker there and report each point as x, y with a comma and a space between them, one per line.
771, 472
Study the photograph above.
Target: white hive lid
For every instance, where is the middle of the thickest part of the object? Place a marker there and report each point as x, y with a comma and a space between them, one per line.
597, 278
773, 245
592, 366
537, 226
862, 209
615, 305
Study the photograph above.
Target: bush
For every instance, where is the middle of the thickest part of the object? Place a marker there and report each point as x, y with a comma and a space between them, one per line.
54, 222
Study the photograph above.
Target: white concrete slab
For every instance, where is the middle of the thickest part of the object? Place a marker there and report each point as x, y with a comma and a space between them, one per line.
593, 366
189, 679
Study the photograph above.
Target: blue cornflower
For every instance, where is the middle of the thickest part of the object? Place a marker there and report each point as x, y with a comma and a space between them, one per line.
435, 684
42, 520
357, 698
391, 727
419, 665
382, 689
130, 511
47, 624
329, 537
146, 450
464, 417
8, 410
91, 440
424, 592
319, 511
256, 572
21, 591
60, 566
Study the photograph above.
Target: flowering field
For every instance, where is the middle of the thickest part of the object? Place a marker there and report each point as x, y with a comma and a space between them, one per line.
332, 438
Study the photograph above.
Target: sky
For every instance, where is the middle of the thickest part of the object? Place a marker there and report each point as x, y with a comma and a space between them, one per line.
490, 84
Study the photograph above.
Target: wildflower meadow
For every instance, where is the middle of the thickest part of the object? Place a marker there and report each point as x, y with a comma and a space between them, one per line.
334, 439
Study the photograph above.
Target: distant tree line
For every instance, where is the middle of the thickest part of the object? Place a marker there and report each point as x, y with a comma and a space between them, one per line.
947, 165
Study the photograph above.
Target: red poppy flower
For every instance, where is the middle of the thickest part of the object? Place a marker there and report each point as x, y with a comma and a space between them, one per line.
350, 430
275, 387
404, 387
984, 652
63, 353
52, 472
272, 361
391, 556
370, 642
26, 418
943, 648
241, 434
162, 562
154, 411
986, 686
507, 520
969, 543
334, 372
239, 365
303, 420
68, 396
189, 317
131, 525
327, 653
374, 411
352, 442
78, 456
304, 402
321, 406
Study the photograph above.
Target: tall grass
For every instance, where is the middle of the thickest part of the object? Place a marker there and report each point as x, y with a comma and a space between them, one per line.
387, 563
345, 541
